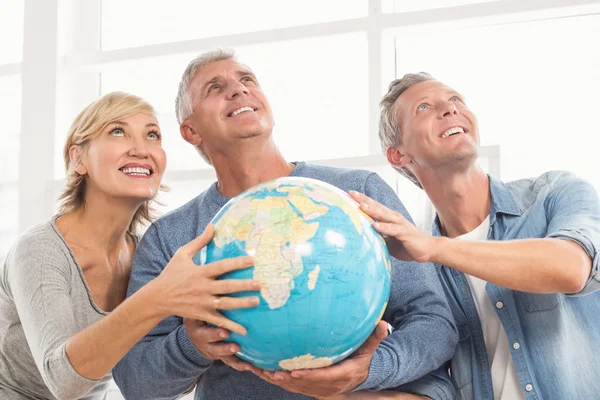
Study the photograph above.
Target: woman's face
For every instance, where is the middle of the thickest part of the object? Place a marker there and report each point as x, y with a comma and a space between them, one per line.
127, 160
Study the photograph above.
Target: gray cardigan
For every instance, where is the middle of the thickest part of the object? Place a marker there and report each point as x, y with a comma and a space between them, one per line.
44, 300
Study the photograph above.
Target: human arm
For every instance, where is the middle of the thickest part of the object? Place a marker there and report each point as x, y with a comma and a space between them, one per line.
564, 261
383, 395
545, 265
436, 385
73, 360
180, 289
166, 362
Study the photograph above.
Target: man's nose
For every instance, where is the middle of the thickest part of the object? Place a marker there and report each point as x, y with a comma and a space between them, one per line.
449, 109
236, 89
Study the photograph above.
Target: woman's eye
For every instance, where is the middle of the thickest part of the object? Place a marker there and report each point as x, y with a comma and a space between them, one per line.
154, 136
455, 99
117, 132
423, 106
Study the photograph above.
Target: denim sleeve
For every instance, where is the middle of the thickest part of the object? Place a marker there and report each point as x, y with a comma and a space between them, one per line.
436, 384
425, 334
165, 363
573, 213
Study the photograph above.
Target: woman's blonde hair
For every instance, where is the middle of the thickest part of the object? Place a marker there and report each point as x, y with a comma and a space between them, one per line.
87, 126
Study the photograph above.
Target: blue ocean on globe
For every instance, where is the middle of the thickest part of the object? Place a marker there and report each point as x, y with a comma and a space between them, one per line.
325, 272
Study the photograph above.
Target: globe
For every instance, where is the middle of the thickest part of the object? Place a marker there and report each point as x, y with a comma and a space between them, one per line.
325, 272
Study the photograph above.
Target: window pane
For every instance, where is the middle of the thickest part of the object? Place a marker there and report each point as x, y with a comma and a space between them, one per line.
11, 31
133, 23
401, 6
318, 95
9, 207
10, 104
533, 87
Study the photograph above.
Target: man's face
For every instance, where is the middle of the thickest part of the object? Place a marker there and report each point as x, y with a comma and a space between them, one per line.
437, 128
228, 105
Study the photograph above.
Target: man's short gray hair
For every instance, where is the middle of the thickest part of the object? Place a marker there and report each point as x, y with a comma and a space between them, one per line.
183, 104
184, 107
389, 125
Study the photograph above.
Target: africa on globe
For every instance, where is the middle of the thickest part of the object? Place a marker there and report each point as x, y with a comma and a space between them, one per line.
325, 272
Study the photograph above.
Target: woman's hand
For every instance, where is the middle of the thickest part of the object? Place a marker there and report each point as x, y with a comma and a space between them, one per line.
193, 291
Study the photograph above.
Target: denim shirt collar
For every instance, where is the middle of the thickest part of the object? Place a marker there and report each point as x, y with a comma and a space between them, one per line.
502, 202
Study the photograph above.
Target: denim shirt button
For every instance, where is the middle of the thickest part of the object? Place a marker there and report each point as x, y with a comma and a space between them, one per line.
529, 388
499, 304
517, 346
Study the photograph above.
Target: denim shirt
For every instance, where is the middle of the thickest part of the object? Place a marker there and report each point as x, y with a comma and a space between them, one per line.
554, 338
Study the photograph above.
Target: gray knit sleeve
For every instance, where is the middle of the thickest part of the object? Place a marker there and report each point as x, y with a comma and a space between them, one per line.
39, 276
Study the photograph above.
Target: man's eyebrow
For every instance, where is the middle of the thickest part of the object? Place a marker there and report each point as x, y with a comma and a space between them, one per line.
421, 99
215, 79
448, 92
242, 73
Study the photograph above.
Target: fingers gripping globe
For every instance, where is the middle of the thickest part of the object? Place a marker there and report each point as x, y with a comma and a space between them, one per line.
325, 272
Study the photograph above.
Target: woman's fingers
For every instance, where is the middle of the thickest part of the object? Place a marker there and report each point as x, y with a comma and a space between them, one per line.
228, 286
194, 246
218, 268
233, 303
227, 303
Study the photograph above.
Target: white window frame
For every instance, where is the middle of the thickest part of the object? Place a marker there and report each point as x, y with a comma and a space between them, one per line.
62, 61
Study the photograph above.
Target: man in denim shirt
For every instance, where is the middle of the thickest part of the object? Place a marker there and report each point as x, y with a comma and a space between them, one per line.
525, 299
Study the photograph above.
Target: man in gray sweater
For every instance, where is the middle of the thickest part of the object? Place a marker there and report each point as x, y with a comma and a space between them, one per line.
223, 112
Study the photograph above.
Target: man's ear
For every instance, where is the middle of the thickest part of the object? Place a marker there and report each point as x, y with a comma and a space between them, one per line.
189, 134
396, 157
76, 156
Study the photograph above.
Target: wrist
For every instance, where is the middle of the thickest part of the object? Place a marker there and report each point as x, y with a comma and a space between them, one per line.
154, 300
439, 248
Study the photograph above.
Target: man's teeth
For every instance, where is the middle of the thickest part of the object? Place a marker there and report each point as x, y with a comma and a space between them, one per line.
241, 110
452, 131
136, 171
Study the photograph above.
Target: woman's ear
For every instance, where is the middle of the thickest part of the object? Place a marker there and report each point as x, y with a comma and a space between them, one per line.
76, 156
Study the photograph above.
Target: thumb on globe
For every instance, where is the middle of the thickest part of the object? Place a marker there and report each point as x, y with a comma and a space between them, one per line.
195, 245
372, 342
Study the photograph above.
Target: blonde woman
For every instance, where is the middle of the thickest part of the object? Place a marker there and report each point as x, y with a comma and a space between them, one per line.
64, 323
